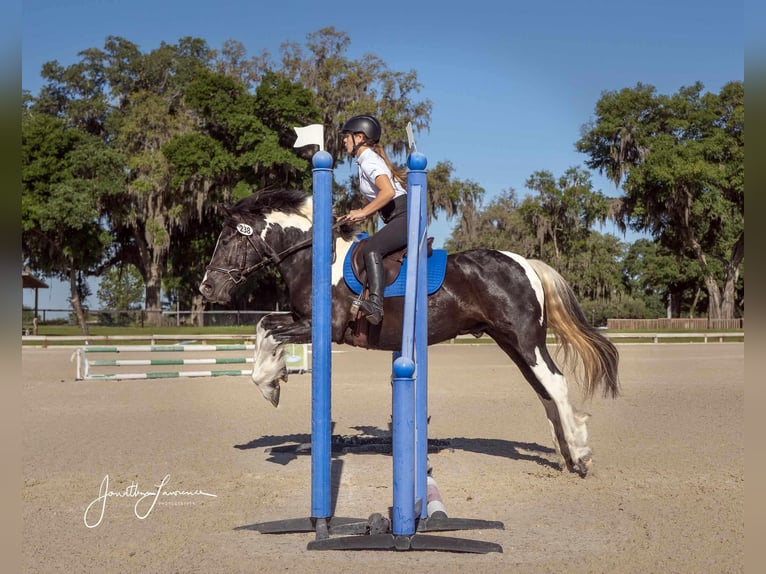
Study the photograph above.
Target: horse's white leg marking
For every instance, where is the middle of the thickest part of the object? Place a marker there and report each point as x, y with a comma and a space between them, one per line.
269, 365
572, 422
534, 280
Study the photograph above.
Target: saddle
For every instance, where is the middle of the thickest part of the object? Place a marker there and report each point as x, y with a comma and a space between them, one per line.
359, 332
392, 263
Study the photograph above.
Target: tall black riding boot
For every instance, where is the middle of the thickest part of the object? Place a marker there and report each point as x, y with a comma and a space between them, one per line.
372, 307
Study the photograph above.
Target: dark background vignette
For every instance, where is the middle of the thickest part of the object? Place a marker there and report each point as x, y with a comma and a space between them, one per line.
755, 362
10, 252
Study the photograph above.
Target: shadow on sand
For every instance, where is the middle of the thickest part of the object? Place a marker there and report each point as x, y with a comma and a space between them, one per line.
283, 449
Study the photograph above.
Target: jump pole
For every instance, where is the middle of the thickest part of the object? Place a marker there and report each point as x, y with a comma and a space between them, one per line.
321, 363
321, 520
410, 369
409, 404
414, 492
409, 512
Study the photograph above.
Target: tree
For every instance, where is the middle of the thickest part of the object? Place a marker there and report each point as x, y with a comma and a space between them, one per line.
121, 289
595, 270
563, 212
133, 103
553, 224
243, 143
498, 226
65, 172
343, 88
189, 138
194, 128
653, 272
680, 160
449, 196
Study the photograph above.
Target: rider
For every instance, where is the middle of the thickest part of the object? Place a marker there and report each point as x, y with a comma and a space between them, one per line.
385, 191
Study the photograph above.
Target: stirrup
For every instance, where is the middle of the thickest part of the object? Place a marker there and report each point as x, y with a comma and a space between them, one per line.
356, 301
373, 312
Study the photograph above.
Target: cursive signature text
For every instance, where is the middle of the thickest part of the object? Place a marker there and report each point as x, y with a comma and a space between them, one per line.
145, 501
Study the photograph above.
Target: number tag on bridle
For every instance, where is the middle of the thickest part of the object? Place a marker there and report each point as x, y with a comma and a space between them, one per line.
244, 229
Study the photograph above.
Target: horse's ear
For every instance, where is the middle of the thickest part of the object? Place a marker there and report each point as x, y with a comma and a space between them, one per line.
226, 209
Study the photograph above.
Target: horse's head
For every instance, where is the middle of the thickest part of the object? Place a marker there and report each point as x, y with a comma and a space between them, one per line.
253, 236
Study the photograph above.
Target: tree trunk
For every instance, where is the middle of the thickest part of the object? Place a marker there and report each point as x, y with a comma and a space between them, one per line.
197, 311
723, 306
153, 294
714, 298
669, 307
76, 303
729, 299
729, 302
675, 303
694, 303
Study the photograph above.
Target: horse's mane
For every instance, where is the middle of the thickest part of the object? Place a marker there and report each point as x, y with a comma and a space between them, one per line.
266, 201
287, 201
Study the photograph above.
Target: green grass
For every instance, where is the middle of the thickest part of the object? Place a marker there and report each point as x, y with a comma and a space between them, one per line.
148, 332
96, 330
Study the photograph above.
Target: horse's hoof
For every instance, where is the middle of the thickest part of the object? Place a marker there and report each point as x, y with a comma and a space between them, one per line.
270, 392
584, 466
274, 400
378, 524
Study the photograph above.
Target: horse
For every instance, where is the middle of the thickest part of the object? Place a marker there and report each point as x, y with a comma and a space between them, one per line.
512, 299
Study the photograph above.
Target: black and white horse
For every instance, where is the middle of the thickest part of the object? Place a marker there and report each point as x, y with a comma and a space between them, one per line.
512, 299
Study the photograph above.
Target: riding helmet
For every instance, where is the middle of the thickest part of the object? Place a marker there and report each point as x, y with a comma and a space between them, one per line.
366, 124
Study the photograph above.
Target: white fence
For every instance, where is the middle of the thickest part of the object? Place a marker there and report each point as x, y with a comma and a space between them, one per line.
79, 340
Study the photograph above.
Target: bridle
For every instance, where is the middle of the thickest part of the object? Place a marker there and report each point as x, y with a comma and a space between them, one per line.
271, 257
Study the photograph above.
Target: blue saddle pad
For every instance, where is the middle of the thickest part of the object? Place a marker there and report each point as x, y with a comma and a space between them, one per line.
435, 270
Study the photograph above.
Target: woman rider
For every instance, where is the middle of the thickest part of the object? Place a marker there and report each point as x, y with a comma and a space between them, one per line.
385, 191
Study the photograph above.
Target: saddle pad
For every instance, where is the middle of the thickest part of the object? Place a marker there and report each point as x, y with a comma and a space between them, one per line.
435, 270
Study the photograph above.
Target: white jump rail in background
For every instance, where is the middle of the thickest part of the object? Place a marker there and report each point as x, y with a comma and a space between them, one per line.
44, 340
296, 358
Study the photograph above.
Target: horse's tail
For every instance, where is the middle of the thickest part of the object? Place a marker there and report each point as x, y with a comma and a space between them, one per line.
598, 355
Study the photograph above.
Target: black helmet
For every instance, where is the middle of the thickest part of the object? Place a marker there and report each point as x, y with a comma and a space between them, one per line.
366, 124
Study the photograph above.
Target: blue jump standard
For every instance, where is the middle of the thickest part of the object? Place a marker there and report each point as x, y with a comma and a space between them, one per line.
407, 519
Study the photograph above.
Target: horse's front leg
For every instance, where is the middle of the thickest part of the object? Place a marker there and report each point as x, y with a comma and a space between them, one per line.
297, 332
269, 364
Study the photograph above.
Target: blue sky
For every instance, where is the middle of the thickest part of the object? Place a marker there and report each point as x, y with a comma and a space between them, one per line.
511, 83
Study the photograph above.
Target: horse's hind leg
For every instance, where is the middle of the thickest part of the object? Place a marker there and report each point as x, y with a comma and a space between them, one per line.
568, 428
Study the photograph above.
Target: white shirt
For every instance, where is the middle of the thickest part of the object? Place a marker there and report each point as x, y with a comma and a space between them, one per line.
371, 165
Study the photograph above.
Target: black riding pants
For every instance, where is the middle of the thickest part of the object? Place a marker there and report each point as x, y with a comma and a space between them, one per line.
393, 235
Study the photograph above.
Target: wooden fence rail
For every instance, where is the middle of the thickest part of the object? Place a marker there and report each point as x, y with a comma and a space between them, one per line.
674, 324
